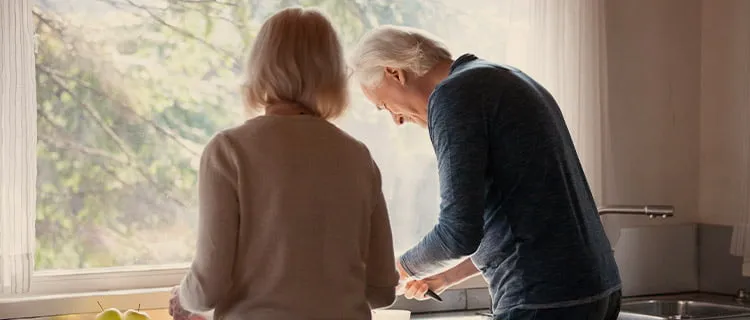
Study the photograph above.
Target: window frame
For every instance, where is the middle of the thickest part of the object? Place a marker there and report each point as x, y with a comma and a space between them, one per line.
106, 279
76, 291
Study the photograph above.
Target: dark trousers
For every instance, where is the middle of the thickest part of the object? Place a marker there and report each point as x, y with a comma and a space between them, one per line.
607, 308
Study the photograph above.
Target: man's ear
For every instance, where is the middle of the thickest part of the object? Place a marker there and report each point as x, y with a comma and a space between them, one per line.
396, 74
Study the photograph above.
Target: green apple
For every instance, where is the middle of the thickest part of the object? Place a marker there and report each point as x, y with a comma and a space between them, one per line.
136, 315
109, 314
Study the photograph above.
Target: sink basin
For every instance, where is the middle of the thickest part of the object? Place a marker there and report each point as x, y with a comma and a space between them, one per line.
680, 309
635, 316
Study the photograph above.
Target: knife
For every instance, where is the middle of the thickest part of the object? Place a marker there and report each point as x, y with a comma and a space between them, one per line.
433, 295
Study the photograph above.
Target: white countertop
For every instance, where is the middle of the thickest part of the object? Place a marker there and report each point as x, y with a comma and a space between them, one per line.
163, 314
464, 315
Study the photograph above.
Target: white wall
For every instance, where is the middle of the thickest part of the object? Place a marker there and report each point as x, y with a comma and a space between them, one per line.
725, 112
651, 139
678, 133
679, 73
651, 156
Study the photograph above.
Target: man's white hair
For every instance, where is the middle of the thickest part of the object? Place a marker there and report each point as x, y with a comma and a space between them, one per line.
409, 49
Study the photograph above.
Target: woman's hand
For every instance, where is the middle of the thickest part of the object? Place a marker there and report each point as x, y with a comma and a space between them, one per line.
175, 308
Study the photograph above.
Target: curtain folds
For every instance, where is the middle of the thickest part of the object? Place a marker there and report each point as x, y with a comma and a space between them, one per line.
562, 44
17, 146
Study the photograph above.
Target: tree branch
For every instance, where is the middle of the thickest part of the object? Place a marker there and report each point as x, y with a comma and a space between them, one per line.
70, 145
121, 144
170, 135
207, 1
183, 32
93, 151
361, 13
47, 21
95, 115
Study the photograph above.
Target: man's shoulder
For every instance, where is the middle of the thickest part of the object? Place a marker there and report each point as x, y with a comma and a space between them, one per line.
465, 86
472, 77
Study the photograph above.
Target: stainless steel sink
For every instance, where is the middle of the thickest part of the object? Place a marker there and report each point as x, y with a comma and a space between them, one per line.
680, 309
635, 316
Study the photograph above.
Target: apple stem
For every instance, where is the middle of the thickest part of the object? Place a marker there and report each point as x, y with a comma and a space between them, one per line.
139, 307
100, 305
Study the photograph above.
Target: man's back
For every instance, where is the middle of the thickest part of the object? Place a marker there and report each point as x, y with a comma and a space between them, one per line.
543, 245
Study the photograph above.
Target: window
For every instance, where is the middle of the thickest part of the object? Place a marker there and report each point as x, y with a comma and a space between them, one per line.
128, 92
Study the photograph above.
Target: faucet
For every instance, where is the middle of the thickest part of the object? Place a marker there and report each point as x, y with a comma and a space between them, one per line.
651, 211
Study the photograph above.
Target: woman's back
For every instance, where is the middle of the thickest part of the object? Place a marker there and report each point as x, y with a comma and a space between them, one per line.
293, 224
306, 194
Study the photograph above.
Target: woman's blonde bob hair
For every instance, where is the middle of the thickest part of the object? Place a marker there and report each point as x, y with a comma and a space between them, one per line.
297, 58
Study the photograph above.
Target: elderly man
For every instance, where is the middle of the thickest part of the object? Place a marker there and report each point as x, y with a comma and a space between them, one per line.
514, 197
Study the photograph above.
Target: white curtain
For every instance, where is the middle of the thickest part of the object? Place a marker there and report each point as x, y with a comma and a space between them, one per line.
561, 44
17, 146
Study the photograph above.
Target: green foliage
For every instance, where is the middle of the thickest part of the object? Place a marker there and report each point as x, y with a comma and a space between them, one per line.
128, 92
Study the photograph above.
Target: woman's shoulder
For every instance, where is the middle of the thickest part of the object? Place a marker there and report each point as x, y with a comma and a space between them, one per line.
307, 127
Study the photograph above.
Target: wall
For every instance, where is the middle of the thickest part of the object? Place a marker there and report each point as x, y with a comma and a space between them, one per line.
725, 141
658, 259
725, 112
651, 157
720, 272
679, 73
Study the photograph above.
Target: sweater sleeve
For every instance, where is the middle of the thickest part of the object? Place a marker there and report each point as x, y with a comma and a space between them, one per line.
382, 276
209, 278
459, 136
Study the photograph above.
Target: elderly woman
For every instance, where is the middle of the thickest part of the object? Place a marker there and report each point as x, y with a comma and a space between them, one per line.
293, 223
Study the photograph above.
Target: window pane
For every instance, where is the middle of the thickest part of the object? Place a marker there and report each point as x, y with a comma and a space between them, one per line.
130, 90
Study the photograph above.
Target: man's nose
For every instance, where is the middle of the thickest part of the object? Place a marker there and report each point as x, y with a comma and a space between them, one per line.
399, 120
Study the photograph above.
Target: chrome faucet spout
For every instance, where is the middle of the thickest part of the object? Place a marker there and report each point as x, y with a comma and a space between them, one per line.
650, 211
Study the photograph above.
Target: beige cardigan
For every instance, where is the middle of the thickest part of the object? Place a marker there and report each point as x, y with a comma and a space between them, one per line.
293, 225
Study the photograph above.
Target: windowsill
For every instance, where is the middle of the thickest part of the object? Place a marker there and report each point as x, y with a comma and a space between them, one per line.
75, 292
469, 295
79, 303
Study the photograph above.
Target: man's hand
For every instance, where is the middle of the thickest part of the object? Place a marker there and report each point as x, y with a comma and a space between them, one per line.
416, 289
403, 278
402, 275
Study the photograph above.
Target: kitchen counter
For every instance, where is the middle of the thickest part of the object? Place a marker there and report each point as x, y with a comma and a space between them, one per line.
162, 314
708, 297
463, 315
